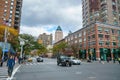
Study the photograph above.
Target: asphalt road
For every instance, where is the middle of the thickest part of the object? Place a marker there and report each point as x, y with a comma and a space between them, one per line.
48, 70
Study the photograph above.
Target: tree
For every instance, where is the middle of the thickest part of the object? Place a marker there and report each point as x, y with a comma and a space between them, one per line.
74, 48
42, 50
29, 42
32, 44
59, 48
11, 35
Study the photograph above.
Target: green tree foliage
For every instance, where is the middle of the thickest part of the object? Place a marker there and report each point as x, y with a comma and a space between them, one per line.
59, 48
29, 42
32, 44
42, 50
75, 49
11, 35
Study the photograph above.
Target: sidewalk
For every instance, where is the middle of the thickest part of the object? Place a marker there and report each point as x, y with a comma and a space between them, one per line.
100, 62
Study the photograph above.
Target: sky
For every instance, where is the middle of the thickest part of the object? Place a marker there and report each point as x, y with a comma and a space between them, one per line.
44, 16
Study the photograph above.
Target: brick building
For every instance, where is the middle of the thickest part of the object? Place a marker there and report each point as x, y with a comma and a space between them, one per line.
98, 40
10, 13
105, 11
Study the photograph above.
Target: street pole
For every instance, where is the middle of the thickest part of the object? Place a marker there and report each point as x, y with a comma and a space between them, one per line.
22, 43
5, 41
21, 51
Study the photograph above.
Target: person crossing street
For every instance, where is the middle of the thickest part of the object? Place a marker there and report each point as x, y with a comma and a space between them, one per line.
10, 65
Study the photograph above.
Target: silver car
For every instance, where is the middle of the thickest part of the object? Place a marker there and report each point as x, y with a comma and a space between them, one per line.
75, 61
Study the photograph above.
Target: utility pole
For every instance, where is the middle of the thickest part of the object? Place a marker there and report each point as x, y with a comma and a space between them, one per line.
4, 46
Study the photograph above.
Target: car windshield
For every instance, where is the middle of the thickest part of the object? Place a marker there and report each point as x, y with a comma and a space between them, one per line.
64, 57
73, 58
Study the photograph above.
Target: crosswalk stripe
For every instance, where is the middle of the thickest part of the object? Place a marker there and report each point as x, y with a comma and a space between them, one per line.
3, 73
40, 63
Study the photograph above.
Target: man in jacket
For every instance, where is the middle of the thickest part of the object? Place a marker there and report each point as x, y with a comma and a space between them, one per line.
10, 65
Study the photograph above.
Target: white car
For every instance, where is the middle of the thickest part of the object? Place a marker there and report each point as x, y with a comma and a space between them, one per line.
75, 61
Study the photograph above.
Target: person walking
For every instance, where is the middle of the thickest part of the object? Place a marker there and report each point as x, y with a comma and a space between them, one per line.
10, 65
119, 60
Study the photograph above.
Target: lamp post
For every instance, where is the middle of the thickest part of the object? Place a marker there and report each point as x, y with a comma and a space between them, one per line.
5, 41
22, 43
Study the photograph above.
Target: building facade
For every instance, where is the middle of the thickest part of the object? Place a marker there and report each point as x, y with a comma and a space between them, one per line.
97, 41
10, 13
58, 34
45, 39
105, 11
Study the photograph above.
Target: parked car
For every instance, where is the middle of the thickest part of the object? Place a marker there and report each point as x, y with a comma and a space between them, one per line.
39, 59
75, 61
64, 60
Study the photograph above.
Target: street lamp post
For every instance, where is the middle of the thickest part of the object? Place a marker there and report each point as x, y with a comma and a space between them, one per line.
22, 43
5, 41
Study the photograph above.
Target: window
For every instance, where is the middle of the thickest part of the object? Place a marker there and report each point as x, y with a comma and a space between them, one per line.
10, 15
107, 36
80, 34
119, 44
75, 35
5, 6
84, 33
11, 3
93, 36
6, 2
101, 43
80, 40
100, 29
113, 38
11, 11
106, 30
10, 20
5, 10
75, 41
11, 7
113, 31
84, 39
114, 43
118, 31
100, 35
107, 43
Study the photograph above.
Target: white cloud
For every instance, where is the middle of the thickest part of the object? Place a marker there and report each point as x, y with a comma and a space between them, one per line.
43, 16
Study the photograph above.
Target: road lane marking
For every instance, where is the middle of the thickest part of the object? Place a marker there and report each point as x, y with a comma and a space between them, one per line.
91, 77
13, 73
78, 73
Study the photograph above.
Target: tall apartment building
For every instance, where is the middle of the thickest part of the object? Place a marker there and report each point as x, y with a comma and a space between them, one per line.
105, 11
10, 12
58, 34
100, 36
45, 39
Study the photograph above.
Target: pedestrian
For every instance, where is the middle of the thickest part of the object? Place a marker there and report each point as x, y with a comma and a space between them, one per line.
1, 62
10, 65
119, 60
113, 60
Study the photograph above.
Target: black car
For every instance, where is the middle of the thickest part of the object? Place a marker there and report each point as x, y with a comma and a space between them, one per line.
64, 60
39, 59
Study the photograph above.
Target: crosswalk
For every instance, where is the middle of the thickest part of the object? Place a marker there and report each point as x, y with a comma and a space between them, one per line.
3, 73
40, 63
